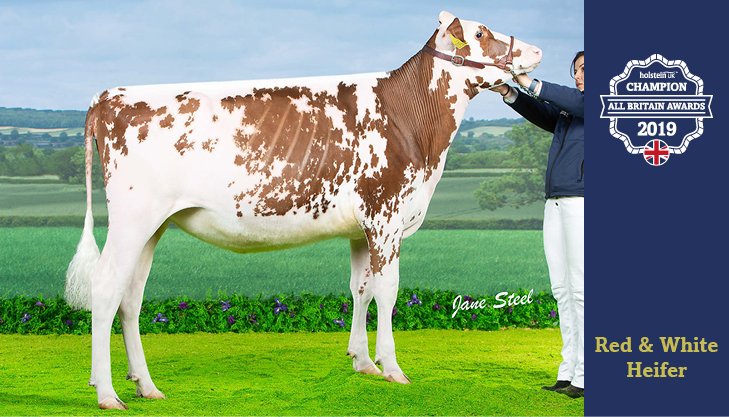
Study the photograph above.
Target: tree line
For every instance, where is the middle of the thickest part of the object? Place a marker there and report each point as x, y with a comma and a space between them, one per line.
41, 119
525, 184
28, 161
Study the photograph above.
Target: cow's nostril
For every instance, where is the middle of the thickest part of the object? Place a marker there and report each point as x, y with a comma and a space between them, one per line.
538, 51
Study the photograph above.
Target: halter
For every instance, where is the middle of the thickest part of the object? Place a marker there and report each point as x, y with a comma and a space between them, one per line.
457, 60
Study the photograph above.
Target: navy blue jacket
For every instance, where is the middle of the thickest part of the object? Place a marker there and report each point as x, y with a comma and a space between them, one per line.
563, 113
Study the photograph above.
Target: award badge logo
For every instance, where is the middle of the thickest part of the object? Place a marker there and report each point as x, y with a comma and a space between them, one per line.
656, 108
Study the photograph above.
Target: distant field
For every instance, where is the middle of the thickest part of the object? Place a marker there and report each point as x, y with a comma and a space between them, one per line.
48, 200
53, 132
33, 262
493, 130
453, 199
51, 178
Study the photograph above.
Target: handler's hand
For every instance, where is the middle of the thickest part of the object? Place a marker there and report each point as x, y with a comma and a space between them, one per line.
523, 80
501, 89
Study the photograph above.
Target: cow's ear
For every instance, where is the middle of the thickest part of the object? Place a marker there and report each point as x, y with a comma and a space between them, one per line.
456, 29
445, 17
455, 32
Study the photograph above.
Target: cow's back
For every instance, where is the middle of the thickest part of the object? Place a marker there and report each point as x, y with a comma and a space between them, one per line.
237, 155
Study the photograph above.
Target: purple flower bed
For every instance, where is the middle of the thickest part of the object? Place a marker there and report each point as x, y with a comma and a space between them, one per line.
414, 309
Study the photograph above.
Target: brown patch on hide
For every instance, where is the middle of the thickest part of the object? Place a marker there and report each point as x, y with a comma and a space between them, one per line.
182, 145
418, 126
231, 103
209, 145
492, 47
189, 106
143, 132
305, 140
166, 123
109, 120
473, 88
362, 287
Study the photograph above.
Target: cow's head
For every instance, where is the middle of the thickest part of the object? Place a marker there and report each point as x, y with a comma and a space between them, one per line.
475, 42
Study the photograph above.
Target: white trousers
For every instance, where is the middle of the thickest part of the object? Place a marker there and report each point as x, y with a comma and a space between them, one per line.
564, 247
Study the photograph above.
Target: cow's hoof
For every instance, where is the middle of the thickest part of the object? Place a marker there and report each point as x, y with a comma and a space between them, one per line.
155, 394
400, 378
371, 370
113, 404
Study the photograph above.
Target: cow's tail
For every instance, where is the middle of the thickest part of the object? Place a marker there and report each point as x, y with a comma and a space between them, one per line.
78, 275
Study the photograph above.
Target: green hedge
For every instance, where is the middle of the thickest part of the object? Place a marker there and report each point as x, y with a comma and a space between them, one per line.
415, 309
490, 224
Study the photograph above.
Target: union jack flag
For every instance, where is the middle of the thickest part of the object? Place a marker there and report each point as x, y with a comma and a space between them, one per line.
656, 152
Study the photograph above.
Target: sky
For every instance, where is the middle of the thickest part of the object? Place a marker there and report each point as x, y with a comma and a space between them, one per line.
59, 54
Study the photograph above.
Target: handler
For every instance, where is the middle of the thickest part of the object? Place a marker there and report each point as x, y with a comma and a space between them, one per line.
560, 110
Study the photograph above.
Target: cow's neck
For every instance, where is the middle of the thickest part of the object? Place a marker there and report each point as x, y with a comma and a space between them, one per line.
424, 101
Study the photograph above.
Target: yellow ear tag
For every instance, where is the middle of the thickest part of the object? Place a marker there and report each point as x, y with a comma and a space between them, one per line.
457, 42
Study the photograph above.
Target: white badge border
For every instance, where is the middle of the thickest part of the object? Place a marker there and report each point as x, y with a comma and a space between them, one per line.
676, 63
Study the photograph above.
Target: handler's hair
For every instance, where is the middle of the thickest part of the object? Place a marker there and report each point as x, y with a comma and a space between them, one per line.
572, 66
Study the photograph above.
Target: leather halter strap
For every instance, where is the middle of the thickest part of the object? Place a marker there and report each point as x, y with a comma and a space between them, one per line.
457, 60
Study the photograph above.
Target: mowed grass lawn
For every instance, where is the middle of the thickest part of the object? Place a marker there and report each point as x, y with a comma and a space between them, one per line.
452, 373
453, 199
33, 262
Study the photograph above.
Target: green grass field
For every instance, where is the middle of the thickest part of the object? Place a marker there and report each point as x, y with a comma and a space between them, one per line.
453, 199
33, 262
452, 373
48, 200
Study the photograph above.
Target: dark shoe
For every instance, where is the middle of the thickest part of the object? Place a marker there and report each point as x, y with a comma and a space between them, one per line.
572, 391
558, 385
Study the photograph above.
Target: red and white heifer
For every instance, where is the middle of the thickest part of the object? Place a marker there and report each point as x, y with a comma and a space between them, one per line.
264, 165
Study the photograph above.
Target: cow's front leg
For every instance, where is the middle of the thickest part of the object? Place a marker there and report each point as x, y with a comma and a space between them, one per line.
384, 248
362, 293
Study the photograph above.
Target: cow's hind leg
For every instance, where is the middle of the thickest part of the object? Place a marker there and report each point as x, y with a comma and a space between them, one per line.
112, 276
384, 248
129, 311
362, 293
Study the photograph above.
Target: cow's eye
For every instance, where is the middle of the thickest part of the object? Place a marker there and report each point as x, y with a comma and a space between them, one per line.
479, 35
